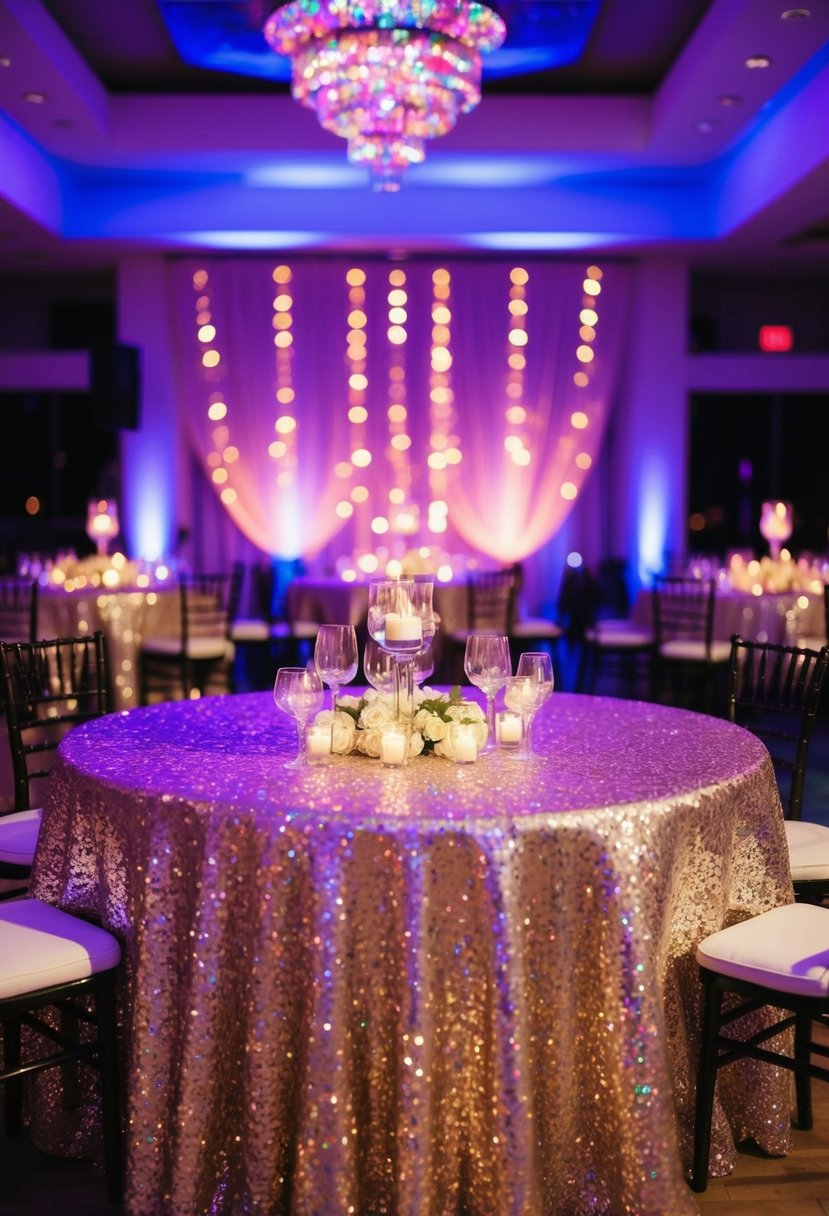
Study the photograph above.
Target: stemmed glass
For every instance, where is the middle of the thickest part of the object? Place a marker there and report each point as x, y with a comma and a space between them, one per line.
335, 657
298, 692
528, 690
378, 666
401, 620
423, 665
488, 666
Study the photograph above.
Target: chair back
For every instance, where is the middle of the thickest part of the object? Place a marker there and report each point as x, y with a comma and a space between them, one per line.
18, 609
683, 609
262, 589
491, 600
774, 691
48, 687
577, 603
209, 603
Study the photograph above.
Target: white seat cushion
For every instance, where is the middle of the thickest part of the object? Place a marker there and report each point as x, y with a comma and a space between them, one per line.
197, 648
252, 630
304, 629
41, 946
18, 836
535, 627
695, 652
619, 635
808, 850
786, 948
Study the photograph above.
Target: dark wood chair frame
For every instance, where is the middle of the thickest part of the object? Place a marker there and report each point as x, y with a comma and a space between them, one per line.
683, 610
69, 678
101, 1051
717, 1050
490, 608
490, 600
775, 691
18, 609
207, 605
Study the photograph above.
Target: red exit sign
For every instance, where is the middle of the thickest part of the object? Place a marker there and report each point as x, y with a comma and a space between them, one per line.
776, 338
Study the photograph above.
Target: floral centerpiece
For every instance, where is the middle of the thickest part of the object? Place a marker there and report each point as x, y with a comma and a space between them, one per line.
98, 570
774, 575
355, 727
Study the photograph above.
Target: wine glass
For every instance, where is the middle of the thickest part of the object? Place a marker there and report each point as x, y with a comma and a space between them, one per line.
378, 666
298, 692
488, 666
335, 657
537, 668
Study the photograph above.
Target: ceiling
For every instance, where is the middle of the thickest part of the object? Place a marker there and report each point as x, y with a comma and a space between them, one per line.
656, 138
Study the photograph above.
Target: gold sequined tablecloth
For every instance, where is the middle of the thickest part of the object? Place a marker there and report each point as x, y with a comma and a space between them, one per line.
126, 616
438, 991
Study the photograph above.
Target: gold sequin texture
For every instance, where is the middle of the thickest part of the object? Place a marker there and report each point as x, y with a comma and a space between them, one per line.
444, 989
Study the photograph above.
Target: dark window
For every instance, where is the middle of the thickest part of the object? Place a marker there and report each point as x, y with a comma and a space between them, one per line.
745, 449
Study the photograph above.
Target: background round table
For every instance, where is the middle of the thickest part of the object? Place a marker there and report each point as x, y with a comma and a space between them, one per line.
438, 989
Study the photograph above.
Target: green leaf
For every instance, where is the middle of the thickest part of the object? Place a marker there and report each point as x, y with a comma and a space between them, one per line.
348, 709
435, 705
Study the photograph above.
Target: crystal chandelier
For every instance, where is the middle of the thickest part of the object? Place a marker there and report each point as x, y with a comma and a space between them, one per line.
386, 74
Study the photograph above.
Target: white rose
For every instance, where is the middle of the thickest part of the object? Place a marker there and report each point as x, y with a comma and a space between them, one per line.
415, 743
444, 747
434, 728
343, 730
520, 697
344, 734
368, 741
375, 714
346, 701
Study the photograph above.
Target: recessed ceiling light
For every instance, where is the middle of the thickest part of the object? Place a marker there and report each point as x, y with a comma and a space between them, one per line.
5, 62
730, 99
705, 127
795, 14
758, 61
35, 99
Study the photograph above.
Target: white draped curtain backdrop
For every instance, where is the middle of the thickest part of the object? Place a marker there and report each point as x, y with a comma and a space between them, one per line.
344, 406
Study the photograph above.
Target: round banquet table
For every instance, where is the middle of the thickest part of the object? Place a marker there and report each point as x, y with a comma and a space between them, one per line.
779, 617
427, 991
126, 615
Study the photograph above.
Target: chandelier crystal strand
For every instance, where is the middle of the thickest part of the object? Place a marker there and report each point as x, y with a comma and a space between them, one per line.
386, 75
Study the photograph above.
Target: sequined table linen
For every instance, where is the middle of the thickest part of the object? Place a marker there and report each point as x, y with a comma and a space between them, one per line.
422, 992
126, 616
